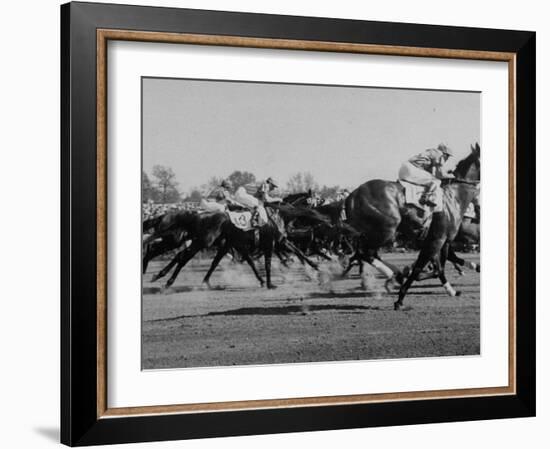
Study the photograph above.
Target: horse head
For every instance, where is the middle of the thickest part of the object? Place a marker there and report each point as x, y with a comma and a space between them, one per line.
469, 168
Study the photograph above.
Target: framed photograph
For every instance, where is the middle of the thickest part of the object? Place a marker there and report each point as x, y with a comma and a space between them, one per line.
282, 224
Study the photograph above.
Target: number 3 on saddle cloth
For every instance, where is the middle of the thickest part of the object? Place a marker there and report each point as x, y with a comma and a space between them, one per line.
243, 220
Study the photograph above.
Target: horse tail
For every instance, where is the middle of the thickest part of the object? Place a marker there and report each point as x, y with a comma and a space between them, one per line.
152, 222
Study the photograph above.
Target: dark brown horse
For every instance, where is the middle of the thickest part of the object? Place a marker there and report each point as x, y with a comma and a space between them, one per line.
457, 195
377, 209
164, 235
299, 199
216, 229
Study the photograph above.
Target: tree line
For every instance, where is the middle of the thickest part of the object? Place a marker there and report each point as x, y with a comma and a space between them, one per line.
162, 187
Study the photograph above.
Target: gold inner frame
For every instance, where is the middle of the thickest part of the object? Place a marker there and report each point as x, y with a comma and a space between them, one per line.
104, 35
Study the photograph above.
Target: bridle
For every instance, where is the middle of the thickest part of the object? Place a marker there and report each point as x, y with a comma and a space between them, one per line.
465, 181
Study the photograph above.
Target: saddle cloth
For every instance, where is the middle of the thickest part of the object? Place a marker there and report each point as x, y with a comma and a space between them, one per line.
413, 193
241, 220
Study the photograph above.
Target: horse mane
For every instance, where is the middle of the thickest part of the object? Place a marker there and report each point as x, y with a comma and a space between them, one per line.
289, 213
464, 165
293, 197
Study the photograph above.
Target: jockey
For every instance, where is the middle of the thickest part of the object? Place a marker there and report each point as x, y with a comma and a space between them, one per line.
254, 196
427, 169
218, 199
341, 196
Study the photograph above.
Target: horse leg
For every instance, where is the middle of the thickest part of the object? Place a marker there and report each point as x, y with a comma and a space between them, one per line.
186, 256
155, 249
456, 260
424, 275
419, 265
387, 270
146, 259
222, 251
250, 262
268, 251
440, 264
303, 258
282, 257
351, 264
168, 267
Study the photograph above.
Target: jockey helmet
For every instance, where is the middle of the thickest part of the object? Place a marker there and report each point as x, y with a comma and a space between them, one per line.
445, 149
271, 181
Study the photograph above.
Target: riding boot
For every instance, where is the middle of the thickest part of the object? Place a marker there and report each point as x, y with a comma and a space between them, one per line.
255, 220
427, 198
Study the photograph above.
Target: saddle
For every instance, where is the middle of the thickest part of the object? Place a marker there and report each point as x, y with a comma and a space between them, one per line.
413, 194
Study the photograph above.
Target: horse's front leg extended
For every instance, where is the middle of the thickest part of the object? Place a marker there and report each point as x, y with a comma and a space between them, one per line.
222, 251
250, 262
155, 249
417, 269
168, 267
186, 256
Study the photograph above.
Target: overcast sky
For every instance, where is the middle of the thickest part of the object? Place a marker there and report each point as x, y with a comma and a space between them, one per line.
342, 135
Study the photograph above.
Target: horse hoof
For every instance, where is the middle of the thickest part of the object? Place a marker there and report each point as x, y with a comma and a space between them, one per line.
155, 278
397, 305
271, 286
458, 293
168, 284
389, 285
207, 285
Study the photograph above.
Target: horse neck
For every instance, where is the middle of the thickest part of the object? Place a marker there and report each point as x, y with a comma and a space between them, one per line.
462, 195
188, 220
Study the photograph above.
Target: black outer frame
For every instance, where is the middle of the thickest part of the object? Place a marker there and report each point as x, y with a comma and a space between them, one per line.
79, 422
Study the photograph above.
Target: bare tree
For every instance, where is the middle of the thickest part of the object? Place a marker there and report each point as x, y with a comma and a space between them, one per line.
194, 195
213, 183
148, 190
301, 182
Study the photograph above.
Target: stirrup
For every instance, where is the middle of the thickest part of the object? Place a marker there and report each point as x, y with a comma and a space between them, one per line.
425, 199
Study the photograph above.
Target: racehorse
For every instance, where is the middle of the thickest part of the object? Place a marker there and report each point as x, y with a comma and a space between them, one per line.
377, 209
318, 236
164, 236
299, 199
215, 228
457, 195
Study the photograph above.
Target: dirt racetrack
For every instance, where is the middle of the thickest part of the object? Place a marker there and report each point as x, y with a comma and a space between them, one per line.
308, 318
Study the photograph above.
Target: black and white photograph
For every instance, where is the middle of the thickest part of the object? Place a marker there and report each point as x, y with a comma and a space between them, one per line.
296, 223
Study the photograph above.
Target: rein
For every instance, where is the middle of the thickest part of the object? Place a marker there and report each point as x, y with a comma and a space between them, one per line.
465, 181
